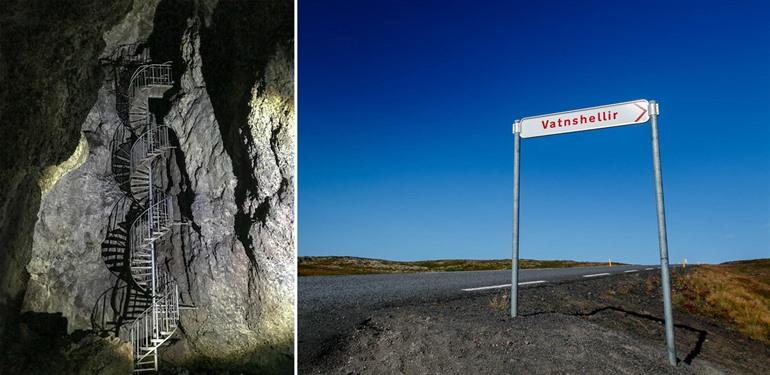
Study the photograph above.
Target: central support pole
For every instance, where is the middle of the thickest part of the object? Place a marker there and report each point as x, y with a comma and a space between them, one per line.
150, 204
515, 242
665, 282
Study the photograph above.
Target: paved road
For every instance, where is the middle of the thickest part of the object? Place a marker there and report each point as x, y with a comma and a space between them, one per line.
321, 293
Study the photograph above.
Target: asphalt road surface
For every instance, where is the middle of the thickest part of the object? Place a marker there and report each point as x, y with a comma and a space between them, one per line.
322, 293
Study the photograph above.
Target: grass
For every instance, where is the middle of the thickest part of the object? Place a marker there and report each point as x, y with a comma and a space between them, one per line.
737, 293
319, 266
500, 301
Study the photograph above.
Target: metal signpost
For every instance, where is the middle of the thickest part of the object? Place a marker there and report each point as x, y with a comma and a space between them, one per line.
620, 114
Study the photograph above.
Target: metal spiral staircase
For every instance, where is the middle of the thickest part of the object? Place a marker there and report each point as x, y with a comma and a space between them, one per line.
143, 306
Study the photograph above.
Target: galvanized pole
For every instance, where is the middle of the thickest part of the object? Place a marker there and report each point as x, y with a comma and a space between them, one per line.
515, 250
662, 241
150, 204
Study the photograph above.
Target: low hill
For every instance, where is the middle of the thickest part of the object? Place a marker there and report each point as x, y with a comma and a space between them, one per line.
342, 265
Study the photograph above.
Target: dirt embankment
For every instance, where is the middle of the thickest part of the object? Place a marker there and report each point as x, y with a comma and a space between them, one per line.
336, 265
609, 325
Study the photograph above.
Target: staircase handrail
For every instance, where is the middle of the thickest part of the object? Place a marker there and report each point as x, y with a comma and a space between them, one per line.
123, 134
140, 331
163, 205
157, 137
160, 74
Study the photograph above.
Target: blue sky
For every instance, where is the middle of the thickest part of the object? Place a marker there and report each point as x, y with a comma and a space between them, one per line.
405, 144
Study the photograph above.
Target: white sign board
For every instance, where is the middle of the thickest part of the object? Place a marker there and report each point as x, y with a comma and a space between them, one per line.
628, 113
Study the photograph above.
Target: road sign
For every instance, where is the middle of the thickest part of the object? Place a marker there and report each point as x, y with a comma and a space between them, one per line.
633, 112
606, 116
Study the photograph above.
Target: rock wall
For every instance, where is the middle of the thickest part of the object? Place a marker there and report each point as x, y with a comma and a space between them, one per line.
50, 74
244, 304
66, 267
66, 270
234, 167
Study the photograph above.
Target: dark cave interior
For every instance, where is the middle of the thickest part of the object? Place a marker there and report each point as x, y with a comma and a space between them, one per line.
52, 72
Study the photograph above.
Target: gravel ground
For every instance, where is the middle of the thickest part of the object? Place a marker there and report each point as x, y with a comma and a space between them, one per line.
610, 325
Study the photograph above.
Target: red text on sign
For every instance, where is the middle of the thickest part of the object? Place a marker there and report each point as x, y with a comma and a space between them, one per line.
579, 120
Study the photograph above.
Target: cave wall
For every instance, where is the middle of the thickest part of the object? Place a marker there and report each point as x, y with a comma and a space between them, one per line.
233, 112
50, 74
65, 266
247, 61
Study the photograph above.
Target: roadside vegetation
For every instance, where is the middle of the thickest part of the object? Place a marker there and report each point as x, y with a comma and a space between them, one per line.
316, 266
736, 293
500, 301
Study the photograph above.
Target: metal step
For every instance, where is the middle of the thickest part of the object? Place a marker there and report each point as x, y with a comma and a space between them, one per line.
155, 90
139, 101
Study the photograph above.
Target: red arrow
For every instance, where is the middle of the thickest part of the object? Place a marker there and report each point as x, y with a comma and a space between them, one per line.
643, 112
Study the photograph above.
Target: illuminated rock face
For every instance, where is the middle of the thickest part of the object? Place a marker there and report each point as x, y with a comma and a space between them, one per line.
241, 277
66, 270
232, 109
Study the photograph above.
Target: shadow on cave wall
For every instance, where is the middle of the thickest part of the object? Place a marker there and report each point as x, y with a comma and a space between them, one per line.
235, 51
168, 27
164, 43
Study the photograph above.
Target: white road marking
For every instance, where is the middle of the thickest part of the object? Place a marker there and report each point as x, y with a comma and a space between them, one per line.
502, 286
629, 271
487, 287
596, 274
532, 282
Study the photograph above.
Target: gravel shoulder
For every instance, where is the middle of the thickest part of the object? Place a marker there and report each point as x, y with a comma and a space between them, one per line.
605, 325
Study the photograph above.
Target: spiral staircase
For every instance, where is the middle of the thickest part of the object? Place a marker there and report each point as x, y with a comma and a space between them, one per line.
143, 306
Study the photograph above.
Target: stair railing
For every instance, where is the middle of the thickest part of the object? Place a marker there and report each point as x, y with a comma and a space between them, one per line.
150, 74
149, 145
154, 221
149, 331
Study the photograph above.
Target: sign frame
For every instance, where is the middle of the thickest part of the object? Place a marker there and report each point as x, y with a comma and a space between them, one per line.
653, 110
